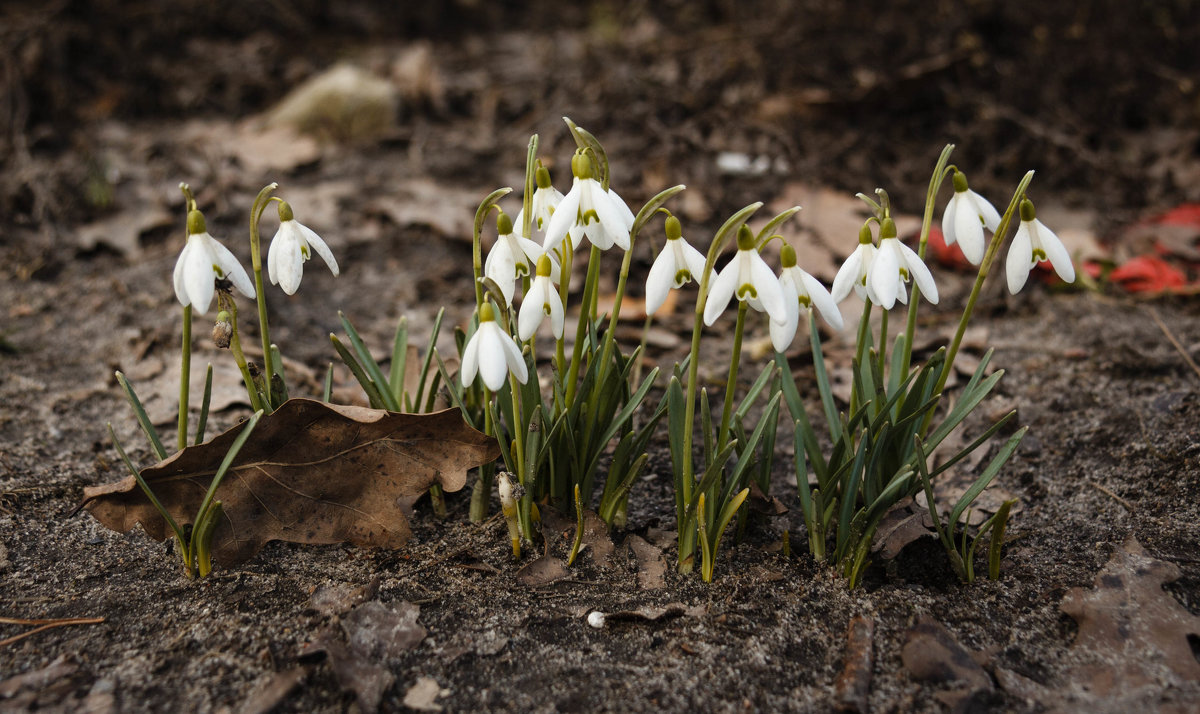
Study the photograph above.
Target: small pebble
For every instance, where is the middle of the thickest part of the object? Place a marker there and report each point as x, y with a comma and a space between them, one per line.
595, 618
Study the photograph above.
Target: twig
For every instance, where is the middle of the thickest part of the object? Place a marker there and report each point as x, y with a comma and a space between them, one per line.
1174, 342
44, 625
1128, 506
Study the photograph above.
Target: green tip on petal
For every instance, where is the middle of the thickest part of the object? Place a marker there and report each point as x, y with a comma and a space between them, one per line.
504, 224
543, 177
745, 238
864, 234
581, 165
960, 182
787, 256
195, 223
673, 228
543, 266
887, 229
487, 313
1028, 213
285, 211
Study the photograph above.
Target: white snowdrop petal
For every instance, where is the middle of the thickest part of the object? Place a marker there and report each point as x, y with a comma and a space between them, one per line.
529, 317
512, 355
611, 218
970, 233
470, 360
563, 219
290, 268
822, 300
984, 207
720, 290
1020, 259
782, 333
231, 267
198, 276
557, 316
1056, 252
493, 366
948, 218
847, 275
318, 244
660, 281
622, 208
694, 260
178, 275
767, 286
884, 278
919, 272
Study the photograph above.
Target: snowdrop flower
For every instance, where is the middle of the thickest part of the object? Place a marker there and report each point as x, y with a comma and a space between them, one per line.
540, 301
678, 263
201, 263
603, 216
748, 277
967, 214
543, 203
853, 273
290, 248
801, 293
511, 258
491, 353
1033, 243
894, 264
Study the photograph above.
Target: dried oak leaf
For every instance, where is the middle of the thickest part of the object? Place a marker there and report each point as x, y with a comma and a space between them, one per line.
1134, 634
311, 473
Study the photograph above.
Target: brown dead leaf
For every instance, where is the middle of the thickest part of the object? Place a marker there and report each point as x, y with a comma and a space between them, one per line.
904, 523
273, 689
652, 567
122, 231
1132, 632
932, 654
376, 631
423, 695
311, 473
366, 679
544, 571
446, 209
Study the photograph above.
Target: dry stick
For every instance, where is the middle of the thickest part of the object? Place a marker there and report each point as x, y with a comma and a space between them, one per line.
43, 625
1108, 492
1174, 342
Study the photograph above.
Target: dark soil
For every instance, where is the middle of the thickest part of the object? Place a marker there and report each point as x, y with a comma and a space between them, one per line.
102, 99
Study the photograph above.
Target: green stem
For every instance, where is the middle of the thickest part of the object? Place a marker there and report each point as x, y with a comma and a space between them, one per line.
864, 330
940, 171
883, 341
589, 287
731, 386
185, 376
228, 304
260, 204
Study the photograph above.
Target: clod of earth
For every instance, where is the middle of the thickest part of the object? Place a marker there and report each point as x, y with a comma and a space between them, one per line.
313, 473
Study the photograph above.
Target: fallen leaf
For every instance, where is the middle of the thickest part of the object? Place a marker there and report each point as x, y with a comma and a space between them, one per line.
1133, 635
904, 523
423, 695
931, 654
1148, 274
950, 256
367, 680
122, 231
421, 202
273, 690
652, 567
376, 631
544, 571
311, 473
337, 598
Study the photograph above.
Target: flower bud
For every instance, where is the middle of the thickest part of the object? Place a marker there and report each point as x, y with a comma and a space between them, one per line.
222, 331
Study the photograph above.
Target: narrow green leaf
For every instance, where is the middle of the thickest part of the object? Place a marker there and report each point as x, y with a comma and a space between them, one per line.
399, 361
370, 365
143, 420
356, 369
202, 424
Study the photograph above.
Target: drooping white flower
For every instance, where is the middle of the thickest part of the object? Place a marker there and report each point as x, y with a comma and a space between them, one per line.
1033, 243
290, 248
542, 300
853, 273
201, 263
511, 258
894, 264
749, 277
492, 354
801, 293
967, 214
678, 263
602, 215
543, 203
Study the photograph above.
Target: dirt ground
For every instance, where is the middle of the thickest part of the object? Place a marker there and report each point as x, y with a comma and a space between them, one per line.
110, 105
